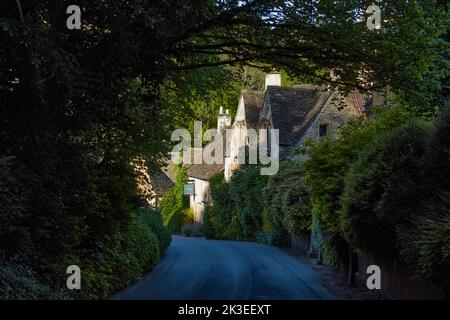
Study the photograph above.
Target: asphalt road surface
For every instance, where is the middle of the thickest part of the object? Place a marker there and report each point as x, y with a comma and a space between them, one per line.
196, 268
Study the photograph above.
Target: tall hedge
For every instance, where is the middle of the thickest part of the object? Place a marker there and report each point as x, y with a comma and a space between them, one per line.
111, 265
325, 170
259, 208
287, 200
221, 220
382, 188
245, 190
238, 206
425, 245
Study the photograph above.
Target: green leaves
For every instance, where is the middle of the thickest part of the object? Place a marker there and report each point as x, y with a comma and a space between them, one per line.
286, 197
328, 165
237, 210
174, 205
382, 188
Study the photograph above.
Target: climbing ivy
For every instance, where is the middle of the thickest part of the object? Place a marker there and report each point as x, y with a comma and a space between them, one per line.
174, 205
287, 200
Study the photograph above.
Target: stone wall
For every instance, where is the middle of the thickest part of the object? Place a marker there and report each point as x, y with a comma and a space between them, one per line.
200, 200
335, 113
298, 245
396, 281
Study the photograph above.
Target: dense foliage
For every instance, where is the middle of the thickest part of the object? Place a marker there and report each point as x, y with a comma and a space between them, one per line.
237, 211
259, 208
80, 106
381, 188
287, 200
388, 196
220, 220
113, 264
235, 214
424, 243
246, 194
325, 171
174, 206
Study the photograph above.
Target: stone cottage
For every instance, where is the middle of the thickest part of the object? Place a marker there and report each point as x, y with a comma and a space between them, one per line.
200, 174
299, 113
151, 184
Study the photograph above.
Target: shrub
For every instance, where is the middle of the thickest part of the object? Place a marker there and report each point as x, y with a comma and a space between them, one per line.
118, 262
208, 223
153, 220
110, 265
20, 282
189, 216
175, 220
258, 208
382, 188
437, 158
220, 219
286, 197
246, 193
174, 205
14, 211
269, 234
326, 168
424, 244
237, 209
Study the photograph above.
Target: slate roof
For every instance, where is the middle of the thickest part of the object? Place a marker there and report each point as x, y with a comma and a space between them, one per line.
207, 171
253, 102
292, 112
162, 180
292, 109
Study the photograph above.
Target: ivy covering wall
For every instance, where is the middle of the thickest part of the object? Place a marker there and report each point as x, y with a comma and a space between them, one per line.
174, 206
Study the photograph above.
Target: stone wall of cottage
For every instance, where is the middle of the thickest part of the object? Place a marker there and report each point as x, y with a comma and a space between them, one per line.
334, 114
200, 200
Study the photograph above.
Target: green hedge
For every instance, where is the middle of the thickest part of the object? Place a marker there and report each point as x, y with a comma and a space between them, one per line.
111, 265
174, 206
221, 220
19, 282
246, 195
237, 210
287, 201
425, 244
153, 219
325, 170
259, 208
382, 188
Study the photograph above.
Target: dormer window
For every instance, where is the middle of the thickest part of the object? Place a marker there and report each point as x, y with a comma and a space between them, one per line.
323, 130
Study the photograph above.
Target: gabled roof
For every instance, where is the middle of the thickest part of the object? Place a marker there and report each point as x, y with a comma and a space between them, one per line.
160, 183
162, 180
253, 102
358, 101
292, 109
206, 171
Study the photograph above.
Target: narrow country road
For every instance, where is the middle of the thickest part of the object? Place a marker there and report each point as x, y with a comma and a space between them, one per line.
195, 268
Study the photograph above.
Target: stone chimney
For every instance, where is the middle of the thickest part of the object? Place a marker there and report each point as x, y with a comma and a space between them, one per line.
273, 79
224, 119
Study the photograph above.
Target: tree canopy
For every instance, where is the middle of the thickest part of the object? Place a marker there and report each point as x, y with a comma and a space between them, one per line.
79, 106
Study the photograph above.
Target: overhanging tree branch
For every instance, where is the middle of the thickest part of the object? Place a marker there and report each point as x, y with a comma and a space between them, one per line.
19, 7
